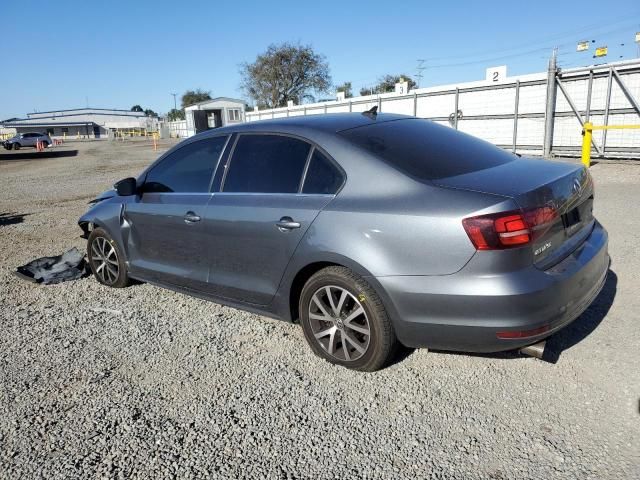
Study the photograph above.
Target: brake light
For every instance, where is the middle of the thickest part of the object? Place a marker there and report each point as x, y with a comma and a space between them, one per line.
508, 229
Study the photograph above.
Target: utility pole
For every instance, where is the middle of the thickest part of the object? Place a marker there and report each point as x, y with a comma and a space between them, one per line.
175, 106
550, 110
420, 68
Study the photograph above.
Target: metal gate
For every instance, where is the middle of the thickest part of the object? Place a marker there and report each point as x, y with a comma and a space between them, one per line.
607, 95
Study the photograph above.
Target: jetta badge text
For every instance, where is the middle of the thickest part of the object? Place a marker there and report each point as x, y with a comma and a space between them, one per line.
538, 251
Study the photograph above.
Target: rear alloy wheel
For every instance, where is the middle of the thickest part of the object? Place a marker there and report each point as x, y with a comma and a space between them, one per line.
106, 260
16, 146
344, 320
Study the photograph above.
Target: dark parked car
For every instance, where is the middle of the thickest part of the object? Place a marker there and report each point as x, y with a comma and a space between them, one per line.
27, 140
370, 230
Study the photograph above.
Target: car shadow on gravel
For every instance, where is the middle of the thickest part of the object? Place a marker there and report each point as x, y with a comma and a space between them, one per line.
11, 218
585, 324
563, 340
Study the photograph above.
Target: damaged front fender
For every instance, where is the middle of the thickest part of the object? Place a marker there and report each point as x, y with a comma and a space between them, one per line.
107, 215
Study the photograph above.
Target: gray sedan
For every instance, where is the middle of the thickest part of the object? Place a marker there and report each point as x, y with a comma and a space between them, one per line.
27, 140
370, 230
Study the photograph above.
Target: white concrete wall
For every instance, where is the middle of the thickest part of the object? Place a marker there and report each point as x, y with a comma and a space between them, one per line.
488, 108
178, 129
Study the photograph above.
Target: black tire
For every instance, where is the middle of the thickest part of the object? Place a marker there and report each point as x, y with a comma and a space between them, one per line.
45, 144
381, 342
16, 146
97, 251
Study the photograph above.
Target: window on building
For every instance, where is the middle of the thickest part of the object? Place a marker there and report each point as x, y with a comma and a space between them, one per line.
266, 164
188, 169
234, 114
323, 177
65, 130
49, 131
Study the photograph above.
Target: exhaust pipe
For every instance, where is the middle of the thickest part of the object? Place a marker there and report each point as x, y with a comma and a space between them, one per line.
535, 350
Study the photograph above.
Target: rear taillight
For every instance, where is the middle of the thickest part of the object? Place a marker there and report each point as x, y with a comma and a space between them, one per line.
497, 231
523, 333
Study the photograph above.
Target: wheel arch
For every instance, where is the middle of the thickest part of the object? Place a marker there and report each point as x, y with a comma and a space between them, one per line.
105, 215
297, 284
305, 271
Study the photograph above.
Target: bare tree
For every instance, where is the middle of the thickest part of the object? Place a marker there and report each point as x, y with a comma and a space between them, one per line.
285, 72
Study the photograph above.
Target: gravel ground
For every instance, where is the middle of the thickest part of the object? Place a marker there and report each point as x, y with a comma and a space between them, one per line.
146, 383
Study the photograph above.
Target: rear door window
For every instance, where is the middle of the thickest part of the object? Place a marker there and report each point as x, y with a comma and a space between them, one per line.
187, 169
425, 150
266, 164
322, 177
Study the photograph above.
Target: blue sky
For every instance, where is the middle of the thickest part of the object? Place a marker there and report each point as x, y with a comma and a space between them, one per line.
117, 54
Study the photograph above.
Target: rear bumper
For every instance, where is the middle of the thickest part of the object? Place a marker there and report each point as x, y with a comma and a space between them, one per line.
465, 312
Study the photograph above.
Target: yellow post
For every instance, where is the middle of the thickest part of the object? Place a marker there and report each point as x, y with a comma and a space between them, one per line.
155, 143
587, 133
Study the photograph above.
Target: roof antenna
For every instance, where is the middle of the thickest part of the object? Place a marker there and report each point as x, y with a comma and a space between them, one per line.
371, 113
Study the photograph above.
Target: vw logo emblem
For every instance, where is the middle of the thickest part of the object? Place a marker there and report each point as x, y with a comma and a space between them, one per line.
576, 187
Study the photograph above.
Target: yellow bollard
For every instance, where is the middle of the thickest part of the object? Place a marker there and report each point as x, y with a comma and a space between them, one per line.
587, 132
155, 143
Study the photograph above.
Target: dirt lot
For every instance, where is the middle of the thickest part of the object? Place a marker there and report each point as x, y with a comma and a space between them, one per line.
146, 383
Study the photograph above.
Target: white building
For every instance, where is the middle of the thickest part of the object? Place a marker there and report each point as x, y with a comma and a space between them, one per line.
213, 113
84, 122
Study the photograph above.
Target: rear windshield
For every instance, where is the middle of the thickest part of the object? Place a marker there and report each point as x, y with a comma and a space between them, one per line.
425, 150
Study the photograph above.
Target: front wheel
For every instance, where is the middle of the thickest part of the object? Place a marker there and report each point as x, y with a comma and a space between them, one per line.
106, 260
345, 322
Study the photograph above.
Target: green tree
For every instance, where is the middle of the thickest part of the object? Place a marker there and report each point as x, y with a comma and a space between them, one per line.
387, 83
150, 113
191, 97
175, 114
136, 108
346, 88
285, 72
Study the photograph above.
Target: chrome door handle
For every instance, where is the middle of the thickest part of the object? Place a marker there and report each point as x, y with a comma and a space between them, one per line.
287, 223
191, 217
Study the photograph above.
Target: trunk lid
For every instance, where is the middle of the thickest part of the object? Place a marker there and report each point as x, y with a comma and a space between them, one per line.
535, 184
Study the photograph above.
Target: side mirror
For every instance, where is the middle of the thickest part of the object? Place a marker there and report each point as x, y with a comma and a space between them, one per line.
126, 187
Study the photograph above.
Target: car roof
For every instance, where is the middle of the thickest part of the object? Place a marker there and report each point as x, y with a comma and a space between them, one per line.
328, 122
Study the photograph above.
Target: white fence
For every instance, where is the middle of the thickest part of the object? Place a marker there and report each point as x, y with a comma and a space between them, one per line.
513, 113
178, 129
